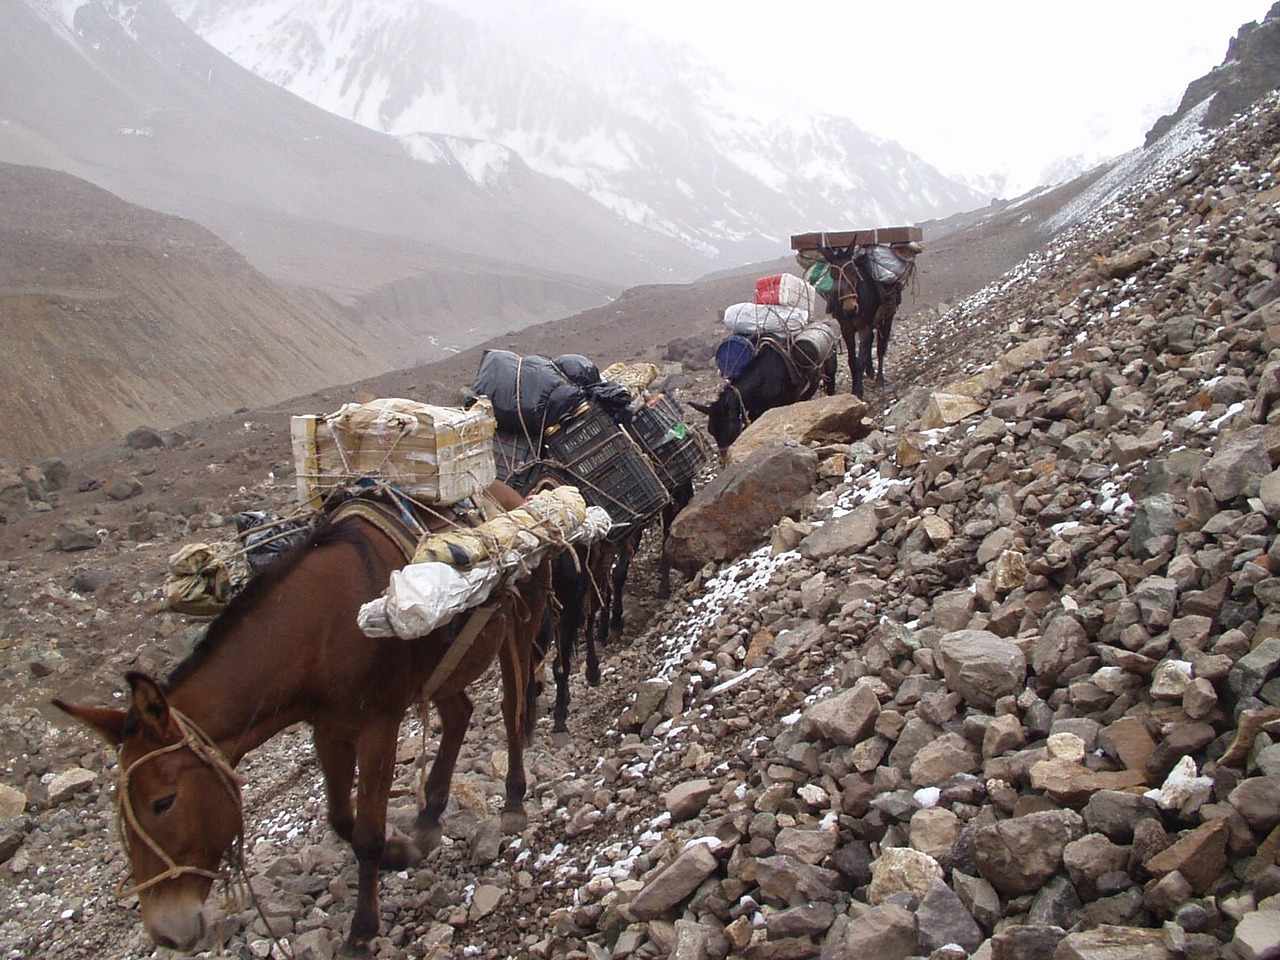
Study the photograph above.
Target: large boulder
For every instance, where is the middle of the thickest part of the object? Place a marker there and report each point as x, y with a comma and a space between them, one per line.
1019, 855
981, 666
733, 514
837, 419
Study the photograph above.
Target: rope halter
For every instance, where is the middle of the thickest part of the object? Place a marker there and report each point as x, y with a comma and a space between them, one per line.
200, 744
849, 301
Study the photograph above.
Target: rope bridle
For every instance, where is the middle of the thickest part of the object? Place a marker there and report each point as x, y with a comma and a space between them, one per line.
844, 281
207, 751
742, 404
200, 744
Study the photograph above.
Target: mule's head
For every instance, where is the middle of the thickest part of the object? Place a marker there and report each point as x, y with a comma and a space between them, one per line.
843, 298
726, 417
178, 804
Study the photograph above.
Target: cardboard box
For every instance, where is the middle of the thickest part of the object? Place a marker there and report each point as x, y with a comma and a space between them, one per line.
432, 454
831, 239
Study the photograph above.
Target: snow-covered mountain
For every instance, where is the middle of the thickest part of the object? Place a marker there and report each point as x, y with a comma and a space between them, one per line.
642, 126
126, 96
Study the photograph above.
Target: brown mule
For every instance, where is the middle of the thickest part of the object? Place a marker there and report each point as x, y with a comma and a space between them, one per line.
288, 649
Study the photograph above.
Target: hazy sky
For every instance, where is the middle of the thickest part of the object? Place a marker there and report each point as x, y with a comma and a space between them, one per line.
971, 87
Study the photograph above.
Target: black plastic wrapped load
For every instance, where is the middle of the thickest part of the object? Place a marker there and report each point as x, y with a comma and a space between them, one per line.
267, 537
528, 394
577, 369
613, 398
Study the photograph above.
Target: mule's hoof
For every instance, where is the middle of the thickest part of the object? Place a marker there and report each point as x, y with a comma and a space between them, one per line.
400, 853
427, 835
593, 676
514, 822
354, 951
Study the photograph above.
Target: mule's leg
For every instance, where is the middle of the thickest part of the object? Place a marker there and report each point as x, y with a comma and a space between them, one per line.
621, 568
455, 714
375, 755
597, 606
337, 759
851, 351
884, 327
855, 370
538, 625
664, 558
516, 659
562, 665
864, 355
574, 591
592, 666
848, 330
544, 650
513, 663
680, 498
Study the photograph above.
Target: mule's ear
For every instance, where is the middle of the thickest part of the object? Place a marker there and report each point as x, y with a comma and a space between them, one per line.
105, 722
149, 702
702, 408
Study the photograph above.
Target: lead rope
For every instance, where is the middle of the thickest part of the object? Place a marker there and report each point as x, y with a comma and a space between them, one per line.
742, 404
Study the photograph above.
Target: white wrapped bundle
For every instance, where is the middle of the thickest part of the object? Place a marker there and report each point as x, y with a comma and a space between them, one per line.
424, 595
755, 319
886, 265
636, 377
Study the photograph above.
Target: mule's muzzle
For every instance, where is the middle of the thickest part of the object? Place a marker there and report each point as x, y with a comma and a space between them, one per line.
178, 929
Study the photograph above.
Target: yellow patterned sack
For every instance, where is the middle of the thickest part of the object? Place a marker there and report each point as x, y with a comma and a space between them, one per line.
199, 581
546, 517
636, 377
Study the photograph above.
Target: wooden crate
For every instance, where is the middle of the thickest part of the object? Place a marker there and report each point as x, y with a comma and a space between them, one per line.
831, 239
434, 454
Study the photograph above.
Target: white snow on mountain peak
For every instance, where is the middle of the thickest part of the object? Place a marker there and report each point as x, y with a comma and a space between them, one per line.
642, 126
60, 13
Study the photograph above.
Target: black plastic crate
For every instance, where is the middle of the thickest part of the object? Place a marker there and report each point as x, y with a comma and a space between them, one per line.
616, 475
674, 447
516, 461
680, 464
659, 423
586, 430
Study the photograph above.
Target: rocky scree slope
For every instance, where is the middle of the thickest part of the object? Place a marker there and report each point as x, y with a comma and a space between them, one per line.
1003, 683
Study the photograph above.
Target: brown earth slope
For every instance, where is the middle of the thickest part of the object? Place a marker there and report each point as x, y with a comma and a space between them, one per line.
1104, 523
113, 316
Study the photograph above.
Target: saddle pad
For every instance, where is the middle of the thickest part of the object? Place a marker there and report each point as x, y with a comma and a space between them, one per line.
385, 518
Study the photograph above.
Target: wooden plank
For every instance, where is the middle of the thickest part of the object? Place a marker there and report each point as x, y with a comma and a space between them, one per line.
829, 239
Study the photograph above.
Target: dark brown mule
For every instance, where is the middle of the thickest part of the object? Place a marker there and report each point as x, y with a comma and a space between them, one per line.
865, 310
288, 649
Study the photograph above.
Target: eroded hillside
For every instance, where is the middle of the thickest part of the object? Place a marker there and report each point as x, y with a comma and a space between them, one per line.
1002, 685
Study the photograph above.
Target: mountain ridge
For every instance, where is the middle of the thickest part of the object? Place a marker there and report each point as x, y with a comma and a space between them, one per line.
640, 125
